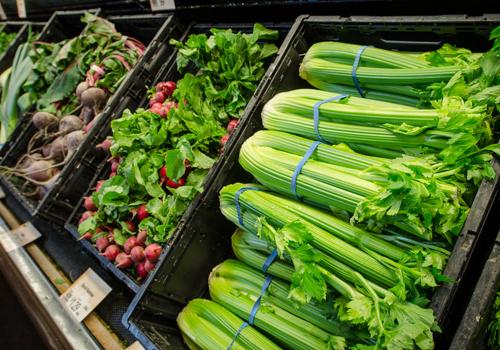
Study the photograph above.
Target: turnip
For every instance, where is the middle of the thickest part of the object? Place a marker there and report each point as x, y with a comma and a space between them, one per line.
45, 121
105, 145
70, 123
149, 266
111, 252
102, 243
142, 236
81, 88
88, 204
93, 97
141, 271
152, 252
137, 254
123, 261
142, 212
130, 243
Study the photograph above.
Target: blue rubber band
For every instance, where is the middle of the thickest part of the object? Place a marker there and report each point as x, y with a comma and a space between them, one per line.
316, 114
270, 259
256, 306
242, 327
298, 168
237, 200
355, 79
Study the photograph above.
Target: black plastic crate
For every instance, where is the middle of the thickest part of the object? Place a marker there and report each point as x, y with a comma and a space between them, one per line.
134, 98
205, 240
472, 332
145, 28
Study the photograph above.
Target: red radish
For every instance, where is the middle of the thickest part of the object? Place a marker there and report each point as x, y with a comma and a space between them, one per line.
131, 226
87, 127
101, 243
164, 112
176, 184
87, 236
123, 261
141, 237
105, 145
149, 266
187, 165
86, 215
170, 87
130, 243
88, 203
137, 254
111, 252
159, 97
111, 174
233, 123
152, 252
140, 270
115, 163
163, 174
156, 108
99, 185
142, 212
223, 140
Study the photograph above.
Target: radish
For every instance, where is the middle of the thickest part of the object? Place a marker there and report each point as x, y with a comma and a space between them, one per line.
44, 120
149, 266
156, 108
111, 174
163, 174
142, 236
93, 97
223, 140
89, 205
115, 163
158, 97
141, 271
131, 226
187, 166
137, 254
70, 123
123, 261
176, 184
89, 126
111, 252
86, 215
166, 87
99, 185
101, 243
130, 243
105, 145
142, 212
87, 236
152, 252
233, 123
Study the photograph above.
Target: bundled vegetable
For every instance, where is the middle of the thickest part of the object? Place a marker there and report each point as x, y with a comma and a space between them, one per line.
207, 325
51, 77
406, 192
160, 157
5, 40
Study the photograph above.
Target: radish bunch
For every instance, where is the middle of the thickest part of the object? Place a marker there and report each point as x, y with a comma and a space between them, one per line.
160, 101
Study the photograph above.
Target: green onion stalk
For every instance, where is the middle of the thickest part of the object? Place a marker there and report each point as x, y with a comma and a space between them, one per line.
360, 303
207, 325
405, 192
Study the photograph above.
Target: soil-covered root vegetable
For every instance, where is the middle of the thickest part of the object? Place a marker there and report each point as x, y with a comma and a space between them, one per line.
40, 171
94, 98
87, 114
111, 252
58, 149
101, 244
153, 252
149, 266
45, 121
123, 261
140, 270
142, 236
81, 88
73, 140
70, 123
88, 204
130, 243
137, 254
45, 186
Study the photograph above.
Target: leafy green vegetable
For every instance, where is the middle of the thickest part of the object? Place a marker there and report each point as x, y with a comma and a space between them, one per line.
5, 40
494, 326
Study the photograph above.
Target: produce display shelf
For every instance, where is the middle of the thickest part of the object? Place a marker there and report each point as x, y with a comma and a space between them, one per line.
205, 239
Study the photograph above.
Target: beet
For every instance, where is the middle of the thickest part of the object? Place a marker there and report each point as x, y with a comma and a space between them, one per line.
46, 150
81, 88
123, 261
93, 97
152, 252
88, 203
137, 254
130, 243
105, 145
233, 123
102, 243
142, 212
149, 266
142, 236
44, 120
111, 252
70, 123
87, 115
74, 140
40, 170
141, 271
58, 149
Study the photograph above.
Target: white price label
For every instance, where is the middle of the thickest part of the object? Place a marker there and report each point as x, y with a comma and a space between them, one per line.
85, 294
135, 346
159, 5
19, 237
21, 8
